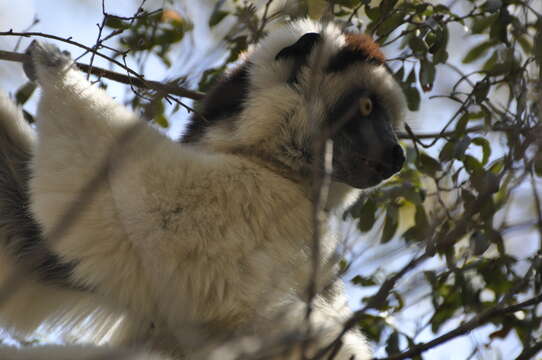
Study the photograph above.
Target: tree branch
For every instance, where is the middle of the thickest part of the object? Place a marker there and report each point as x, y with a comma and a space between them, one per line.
477, 321
171, 89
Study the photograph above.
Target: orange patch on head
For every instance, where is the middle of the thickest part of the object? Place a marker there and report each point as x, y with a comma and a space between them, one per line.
366, 45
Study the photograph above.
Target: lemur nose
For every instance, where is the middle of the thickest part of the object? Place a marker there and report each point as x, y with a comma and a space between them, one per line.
395, 159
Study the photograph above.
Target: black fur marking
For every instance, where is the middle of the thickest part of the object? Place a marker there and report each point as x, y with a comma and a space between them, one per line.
365, 147
342, 112
347, 57
224, 99
299, 53
301, 48
20, 235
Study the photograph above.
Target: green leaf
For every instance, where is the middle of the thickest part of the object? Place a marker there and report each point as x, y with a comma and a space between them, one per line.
438, 49
363, 281
497, 166
25, 92
413, 98
392, 344
391, 223
421, 219
478, 51
492, 5
420, 230
462, 123
498, 29
161, 120
480, 24
428, 165
372, 326
479, 243
373, 13
418, 45
431, 277
387, 5
367, 215
217, 16
400, 301
500, 68
472, 165
412, 194
485, 182
537, 51
237, 46
488, 65
443, 9
391, 23
427, 75
441, 316
209, 77
447, 152
525, 43
461, 146
538, 163
480, 91
486, 148
411, 78
156, 110
115, 22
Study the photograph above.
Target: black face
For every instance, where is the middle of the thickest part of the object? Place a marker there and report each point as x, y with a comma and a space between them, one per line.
365, 148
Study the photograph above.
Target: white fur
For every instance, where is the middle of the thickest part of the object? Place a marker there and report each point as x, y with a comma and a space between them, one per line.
196, 242
31, 304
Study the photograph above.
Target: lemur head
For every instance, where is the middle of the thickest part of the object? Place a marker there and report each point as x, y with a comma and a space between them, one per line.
303, 82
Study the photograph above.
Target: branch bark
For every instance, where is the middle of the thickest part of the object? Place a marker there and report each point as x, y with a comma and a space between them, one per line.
125, 79
477, 321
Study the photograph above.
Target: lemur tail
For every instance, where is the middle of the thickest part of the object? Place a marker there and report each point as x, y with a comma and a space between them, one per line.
34, 283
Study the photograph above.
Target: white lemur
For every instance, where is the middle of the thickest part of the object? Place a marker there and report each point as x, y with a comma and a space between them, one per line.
117, 228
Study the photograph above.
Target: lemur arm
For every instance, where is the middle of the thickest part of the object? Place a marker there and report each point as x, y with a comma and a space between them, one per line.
100, 183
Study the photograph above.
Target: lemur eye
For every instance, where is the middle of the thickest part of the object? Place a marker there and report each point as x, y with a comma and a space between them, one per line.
365, 106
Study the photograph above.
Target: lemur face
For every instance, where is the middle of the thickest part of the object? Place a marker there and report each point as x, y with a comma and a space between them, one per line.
303, 82
365, 148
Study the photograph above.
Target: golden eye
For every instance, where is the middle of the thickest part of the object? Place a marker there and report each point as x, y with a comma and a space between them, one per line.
365, 106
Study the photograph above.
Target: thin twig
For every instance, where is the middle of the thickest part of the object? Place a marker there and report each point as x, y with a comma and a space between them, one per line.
125, 79
470, 325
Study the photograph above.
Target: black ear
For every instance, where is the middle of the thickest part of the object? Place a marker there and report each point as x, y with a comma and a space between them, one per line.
299, 52
301, 48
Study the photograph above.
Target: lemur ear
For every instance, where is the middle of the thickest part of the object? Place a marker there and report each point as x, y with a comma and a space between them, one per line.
301, 48
298, 52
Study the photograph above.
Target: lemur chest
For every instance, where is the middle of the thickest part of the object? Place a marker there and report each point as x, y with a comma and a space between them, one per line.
250, 253
244, 239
